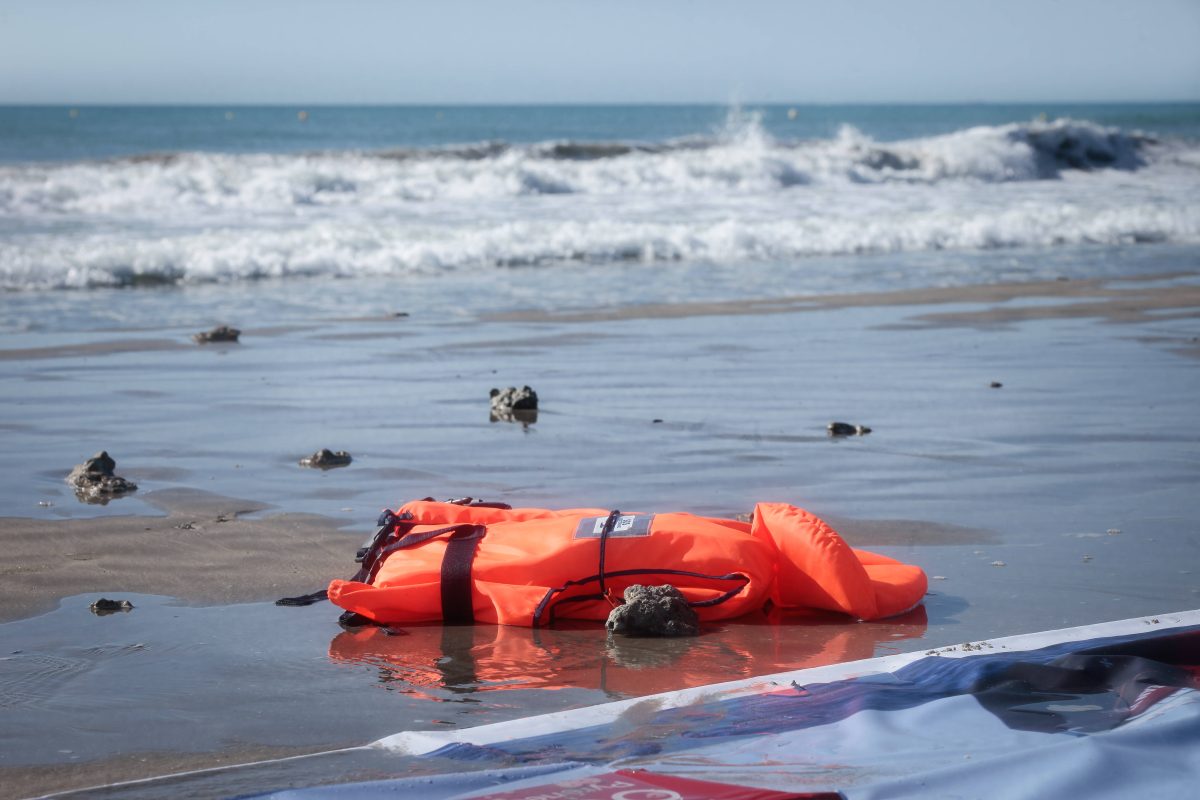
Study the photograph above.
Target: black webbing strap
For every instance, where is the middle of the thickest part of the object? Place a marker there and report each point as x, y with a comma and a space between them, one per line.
374, 560
367, 555
462, 539
457, 605
392, 535
600, 594
304, 599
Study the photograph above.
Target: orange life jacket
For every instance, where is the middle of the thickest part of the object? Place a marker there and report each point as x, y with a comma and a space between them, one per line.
460, 563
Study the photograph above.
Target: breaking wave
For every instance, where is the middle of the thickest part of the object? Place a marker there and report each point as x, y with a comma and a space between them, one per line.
734, 196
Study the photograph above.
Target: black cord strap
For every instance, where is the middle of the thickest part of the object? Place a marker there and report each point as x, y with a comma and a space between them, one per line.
605, 532
546, 605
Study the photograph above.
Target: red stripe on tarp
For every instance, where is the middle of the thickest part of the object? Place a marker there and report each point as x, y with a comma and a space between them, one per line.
629, 784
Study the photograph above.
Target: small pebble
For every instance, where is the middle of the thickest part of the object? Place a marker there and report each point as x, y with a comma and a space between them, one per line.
846, 429
514, 405
221, 333
326, 459
514, 399
104, 606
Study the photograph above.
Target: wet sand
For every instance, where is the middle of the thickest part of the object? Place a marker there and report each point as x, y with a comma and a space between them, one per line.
1114, 300
1063, 496
206, 549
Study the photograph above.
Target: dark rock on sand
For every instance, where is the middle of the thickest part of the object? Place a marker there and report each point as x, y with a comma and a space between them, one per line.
104, 606
514, 405
846, 429
221, 333
514, 399
95, 482
654, 611
326, 459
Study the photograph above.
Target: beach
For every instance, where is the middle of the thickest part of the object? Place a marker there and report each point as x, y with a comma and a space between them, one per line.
1060, 497
1008, 297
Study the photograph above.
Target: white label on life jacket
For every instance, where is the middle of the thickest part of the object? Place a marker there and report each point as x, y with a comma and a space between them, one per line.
626, 525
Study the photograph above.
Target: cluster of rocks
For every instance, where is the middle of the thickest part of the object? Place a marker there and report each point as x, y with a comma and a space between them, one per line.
95, 480
654, 611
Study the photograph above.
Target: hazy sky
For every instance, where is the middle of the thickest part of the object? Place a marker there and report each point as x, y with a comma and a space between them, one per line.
501, 51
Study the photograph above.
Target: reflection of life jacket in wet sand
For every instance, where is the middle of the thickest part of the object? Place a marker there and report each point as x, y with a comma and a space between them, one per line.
461, 563
426, 660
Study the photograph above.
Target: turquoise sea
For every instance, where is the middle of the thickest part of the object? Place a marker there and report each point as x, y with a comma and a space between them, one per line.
557, 206
59, 133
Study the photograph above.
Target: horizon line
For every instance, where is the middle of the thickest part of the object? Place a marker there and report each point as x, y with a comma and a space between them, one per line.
571, 103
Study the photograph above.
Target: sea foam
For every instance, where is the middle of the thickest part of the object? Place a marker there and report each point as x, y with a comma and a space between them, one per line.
735, 196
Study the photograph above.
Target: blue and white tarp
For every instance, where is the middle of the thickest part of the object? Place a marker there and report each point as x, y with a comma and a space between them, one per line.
1101, 711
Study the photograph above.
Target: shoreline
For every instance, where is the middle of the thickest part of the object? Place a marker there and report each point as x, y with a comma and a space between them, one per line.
1110, 298
1121, 299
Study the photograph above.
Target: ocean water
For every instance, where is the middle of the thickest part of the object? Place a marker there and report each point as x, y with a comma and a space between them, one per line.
1065, 497
563, 206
